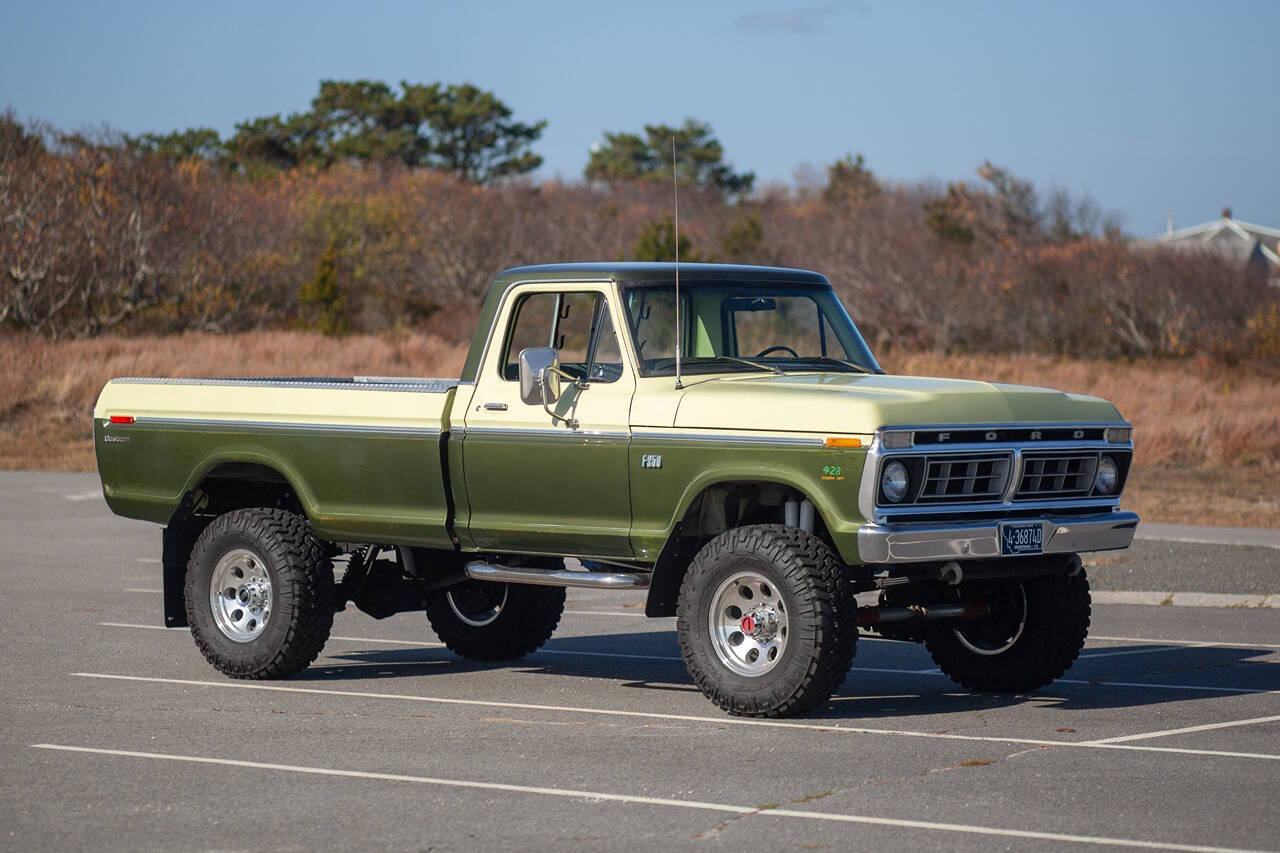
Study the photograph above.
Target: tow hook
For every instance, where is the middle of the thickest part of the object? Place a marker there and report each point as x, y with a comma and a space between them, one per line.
951, 573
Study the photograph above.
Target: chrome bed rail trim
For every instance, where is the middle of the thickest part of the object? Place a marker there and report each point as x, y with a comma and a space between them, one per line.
359, 383
265, 426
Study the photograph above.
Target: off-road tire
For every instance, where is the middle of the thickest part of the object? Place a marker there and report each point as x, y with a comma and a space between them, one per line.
820, 609
528, 618
301, 574
1057, 623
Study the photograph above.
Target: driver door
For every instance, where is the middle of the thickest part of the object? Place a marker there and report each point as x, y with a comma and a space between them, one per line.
534, 483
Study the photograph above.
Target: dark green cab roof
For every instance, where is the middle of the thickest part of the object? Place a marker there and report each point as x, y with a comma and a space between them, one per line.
623, 272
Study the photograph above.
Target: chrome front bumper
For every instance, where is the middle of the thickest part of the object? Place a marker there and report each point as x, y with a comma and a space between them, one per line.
957, 540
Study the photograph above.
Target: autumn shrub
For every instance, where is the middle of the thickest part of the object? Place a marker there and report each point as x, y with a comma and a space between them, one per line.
101, 239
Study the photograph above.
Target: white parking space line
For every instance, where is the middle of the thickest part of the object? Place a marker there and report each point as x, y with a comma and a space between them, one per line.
378, 641
866, 636
1180, 751
1147, 685
634, 799
83, 496
1111, 654
144, 589
566, 652
568, 611
150, 560
1207, 727
387, 665
420, 643
667, 658
623, 655
693, 718
1207, 643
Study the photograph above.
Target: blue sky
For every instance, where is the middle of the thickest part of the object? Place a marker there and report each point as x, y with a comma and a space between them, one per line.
1145, 106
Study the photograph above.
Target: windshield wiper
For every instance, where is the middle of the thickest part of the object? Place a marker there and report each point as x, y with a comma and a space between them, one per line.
826, 360
705, 358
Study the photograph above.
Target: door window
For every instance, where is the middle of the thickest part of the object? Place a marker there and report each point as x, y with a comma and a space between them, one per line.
576, 324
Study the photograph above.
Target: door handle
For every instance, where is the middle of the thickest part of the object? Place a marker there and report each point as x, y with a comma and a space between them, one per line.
495, 407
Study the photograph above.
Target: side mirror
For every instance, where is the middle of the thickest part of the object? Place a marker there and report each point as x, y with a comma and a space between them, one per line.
539, 376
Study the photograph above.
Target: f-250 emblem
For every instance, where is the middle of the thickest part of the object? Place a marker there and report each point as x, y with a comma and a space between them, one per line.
651, 460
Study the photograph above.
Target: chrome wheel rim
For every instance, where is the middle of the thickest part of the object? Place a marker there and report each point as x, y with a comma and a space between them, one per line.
240, 595
748, 623
477, 603
1002, 629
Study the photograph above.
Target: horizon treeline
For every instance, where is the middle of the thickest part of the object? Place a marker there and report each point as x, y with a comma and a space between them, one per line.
380, 209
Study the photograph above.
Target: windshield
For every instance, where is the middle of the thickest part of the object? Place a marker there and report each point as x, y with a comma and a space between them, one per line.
732, 327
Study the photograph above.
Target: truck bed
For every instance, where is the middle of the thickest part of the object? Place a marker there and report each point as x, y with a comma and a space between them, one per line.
363, 455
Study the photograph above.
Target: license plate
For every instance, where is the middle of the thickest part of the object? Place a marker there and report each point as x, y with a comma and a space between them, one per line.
1026, 537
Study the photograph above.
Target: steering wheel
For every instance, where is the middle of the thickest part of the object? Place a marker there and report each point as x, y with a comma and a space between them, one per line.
765, 352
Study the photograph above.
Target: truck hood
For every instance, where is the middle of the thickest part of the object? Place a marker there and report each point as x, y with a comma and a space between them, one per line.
857, 403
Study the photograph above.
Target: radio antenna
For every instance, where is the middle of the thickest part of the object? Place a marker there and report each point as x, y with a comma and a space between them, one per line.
675, 186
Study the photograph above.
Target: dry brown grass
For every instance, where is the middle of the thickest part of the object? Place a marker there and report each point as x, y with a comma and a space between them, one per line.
1207, 433
1186, 412
47, 388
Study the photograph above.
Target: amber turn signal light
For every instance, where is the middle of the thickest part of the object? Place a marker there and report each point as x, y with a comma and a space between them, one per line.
833, 441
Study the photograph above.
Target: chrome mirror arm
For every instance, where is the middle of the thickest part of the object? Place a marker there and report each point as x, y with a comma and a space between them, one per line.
572, 423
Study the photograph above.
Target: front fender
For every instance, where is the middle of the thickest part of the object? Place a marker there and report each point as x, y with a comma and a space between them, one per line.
660, 497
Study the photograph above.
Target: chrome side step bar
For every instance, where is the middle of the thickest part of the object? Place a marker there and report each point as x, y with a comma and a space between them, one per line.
555, 577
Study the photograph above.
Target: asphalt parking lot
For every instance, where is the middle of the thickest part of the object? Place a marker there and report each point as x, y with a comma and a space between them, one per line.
117, 735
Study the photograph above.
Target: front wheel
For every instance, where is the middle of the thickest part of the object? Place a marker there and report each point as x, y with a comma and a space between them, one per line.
1033, 633
259, 592
764, 621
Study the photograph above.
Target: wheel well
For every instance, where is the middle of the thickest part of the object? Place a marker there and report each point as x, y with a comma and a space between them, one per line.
237, 485
716, 509
227, 487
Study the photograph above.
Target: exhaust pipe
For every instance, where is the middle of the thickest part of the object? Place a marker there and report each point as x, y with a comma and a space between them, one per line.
868, 616
555, 577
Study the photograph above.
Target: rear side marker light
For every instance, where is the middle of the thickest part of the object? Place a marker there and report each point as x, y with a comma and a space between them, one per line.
843, 442
122, 419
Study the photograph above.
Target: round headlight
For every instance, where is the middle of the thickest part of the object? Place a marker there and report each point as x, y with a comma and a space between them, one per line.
1108, 475
893, 481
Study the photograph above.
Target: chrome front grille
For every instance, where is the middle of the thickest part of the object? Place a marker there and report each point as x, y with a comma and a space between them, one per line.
1050, 476
997, 471
964, 479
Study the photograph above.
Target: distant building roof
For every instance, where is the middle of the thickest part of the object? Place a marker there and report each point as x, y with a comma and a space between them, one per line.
1243, 242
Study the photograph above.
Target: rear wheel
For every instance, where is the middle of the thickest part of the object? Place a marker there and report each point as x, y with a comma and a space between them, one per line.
1032, 635
763, 621
259, 593
483, 620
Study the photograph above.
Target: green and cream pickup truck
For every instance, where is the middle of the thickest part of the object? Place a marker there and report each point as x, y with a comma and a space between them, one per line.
718, 437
